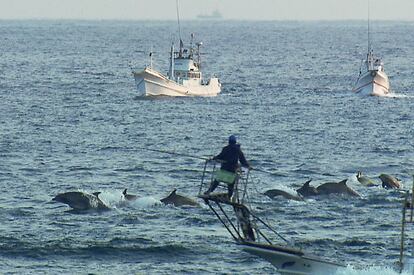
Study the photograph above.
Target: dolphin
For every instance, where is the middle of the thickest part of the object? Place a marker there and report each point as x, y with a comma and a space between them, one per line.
178, 200
129, 197
307, 191
273, 193
336, 188
364, 180
389, 182
81, 201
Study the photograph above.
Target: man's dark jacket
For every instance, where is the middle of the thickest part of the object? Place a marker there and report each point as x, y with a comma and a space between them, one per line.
231, 155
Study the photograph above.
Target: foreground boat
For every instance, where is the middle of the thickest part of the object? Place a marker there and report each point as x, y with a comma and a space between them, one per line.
184, 77
290, 260
255, 236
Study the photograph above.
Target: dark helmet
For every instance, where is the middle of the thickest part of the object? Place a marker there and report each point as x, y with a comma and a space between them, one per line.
232, 139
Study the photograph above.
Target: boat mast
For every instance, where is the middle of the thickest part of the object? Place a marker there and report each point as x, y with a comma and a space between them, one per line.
369, 54
191, 45
369, 38
198, 54
150, 55
172, 62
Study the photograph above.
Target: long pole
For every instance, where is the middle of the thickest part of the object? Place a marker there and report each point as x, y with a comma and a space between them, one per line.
172, 153
369, 38
178, 19
196, 157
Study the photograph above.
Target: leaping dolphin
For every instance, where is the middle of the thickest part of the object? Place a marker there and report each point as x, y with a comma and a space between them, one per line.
389, 182
364, 180
129, 197
81, 201
336, 188
178, 200
273, 193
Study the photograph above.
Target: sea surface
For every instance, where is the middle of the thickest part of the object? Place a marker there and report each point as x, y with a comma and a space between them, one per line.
70, 119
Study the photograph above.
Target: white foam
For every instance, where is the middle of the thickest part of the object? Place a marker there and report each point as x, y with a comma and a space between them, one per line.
373, 270
394, 95
145, 202
115, 198
111, 198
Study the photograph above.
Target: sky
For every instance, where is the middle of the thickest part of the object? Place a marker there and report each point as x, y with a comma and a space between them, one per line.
189, 9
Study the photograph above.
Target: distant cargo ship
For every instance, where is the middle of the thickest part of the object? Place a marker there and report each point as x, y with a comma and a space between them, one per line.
213, 16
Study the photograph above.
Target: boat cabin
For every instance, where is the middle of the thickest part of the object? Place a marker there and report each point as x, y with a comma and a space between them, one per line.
185, 63
373, 63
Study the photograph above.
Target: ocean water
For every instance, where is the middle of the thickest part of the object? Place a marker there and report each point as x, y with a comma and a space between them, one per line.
71, 120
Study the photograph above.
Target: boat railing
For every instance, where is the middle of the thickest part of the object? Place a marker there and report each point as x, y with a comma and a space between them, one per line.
407, 219
236, 213
212, 173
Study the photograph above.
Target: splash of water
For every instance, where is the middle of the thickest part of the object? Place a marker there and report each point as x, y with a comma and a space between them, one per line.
145, 202
373, 270
115, 198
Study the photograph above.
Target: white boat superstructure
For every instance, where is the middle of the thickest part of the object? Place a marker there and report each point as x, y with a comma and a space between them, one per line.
251, 233
372, 79
184, 77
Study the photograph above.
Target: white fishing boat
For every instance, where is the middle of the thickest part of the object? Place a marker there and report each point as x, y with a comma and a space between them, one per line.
372, 79
255, 236
184, 77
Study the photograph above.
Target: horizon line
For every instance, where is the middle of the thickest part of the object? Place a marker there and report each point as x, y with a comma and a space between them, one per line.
196, 20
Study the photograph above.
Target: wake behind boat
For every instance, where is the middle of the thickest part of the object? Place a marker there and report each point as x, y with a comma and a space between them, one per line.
184, 77
252, 234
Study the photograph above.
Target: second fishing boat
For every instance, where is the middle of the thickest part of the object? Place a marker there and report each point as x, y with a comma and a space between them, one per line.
372, 79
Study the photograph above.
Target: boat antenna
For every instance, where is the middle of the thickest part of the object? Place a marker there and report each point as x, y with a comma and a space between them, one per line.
369, 35
178, 20
179, 30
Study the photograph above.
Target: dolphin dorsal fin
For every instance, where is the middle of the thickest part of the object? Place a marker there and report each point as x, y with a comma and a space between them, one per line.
306, 184
343, 182
173, 191
125, 192
96, 194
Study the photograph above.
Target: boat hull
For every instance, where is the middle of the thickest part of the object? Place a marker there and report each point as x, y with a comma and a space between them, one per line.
373, 83
292, 261
152, 83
